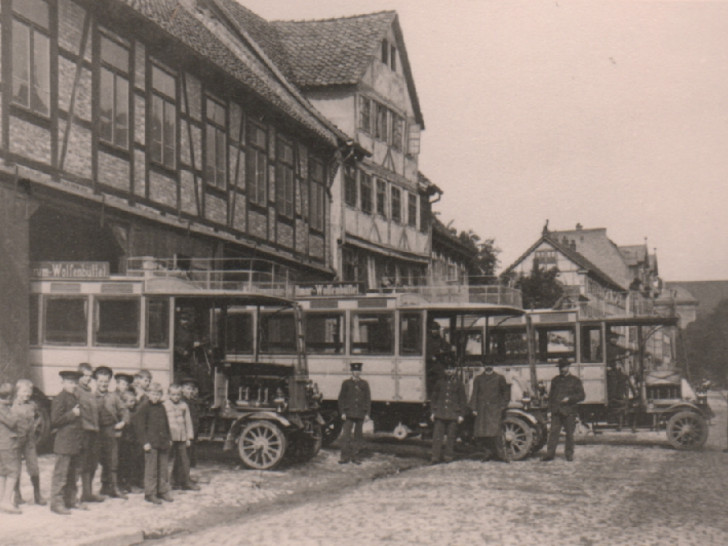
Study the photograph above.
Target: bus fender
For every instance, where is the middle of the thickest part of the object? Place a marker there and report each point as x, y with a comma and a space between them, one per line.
529, 417
705, 411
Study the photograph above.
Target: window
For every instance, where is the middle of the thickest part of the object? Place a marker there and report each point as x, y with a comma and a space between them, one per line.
396, 204
381, 198
285, 182
507, 346
350, 186
397, 132
365, 189
277, 333
116, 322
31, 82
365, 114
591, 344
239, 333
393, 58
317, 209
157, 323
410, 334
325, 333
164, 118
256, 175
385, 51
66, 320
215, 151
114, 93
380, 129
372, 333
33, 319
545, 257
424, 210
555, 343
412, 209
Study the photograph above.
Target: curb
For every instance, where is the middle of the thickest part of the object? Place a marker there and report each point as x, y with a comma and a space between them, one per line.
117, 537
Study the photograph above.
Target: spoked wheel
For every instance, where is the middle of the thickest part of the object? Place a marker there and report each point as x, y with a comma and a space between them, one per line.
687, 430
261, 445
518, 437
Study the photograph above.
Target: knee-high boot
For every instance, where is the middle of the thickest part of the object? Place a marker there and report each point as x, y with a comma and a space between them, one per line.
17, 497
87, 494
37, 497
115, 491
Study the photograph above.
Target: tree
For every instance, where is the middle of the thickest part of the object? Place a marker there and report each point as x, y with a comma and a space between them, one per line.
481, 268
541, 289
706, 346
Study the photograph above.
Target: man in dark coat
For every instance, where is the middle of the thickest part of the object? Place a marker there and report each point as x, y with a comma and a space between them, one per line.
91, 439
566, 392
355, 401
448, 405
488, 401
66, 420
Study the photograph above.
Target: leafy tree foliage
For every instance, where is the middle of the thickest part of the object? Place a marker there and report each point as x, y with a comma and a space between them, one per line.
541, 289
705, 343
481, 269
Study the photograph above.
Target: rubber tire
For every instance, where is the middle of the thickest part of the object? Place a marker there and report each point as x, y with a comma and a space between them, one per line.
522, 433
687, 430
331, 428
261, 445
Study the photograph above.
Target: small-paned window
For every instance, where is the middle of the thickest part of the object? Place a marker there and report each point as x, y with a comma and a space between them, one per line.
365, 188
410, 334
380, 129
317, 203
396, 204
66, 320
277, 333
256, 161
372, 333
365, 114
33, 315
397, 132
507, 346
545, 257
216, 147
114, 93
163, 149
555, 343
157, 323
116, 322
381, 198
385, 51
350, 186
31, 69
412, 209
285, 181
591, 344
239, 333
325, 333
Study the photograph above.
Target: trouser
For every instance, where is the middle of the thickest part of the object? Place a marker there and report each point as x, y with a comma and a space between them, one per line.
192, 453
108, 454
131, 464
569, 423
64, 483
492, 444
90, 449
27, 451
180, 464
156, 480
444, 427
350, 447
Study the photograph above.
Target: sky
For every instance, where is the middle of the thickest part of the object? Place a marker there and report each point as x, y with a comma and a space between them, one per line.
611, 114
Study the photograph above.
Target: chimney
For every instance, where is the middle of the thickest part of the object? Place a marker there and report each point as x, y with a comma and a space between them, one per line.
579, 227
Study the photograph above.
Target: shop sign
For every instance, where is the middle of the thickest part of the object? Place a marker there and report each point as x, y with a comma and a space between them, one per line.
328, 289
69, 270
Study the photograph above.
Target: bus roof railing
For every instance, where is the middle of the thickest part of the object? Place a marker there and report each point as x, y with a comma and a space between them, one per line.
494, 294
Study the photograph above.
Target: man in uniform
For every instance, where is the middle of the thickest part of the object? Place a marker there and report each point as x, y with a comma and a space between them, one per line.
489, 398
355, 401
448, 406
566, 392
436, 352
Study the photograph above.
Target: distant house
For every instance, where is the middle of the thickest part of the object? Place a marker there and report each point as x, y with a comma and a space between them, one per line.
706, 295
450, 256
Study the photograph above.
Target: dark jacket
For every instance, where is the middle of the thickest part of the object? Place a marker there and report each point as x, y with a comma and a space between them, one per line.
448, 400
111, 411
355, 399
8, 427
89, 403
68, 426
489, 398
566, 392
152, 426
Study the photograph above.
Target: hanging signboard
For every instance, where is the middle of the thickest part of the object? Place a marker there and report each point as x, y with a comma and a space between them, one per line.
69, 270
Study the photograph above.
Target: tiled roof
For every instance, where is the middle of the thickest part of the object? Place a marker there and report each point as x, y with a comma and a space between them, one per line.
189, 26
708, 293
634, 254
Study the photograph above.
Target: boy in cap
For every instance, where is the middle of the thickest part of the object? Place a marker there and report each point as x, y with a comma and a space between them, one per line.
9, 461
566, 392
66, 419
123, 382
142, 380
113, 417
189, 395
27, 413
153, 433
181, 432
355, 401
90, 443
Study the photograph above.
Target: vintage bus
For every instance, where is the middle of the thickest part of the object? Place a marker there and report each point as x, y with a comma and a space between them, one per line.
173, 319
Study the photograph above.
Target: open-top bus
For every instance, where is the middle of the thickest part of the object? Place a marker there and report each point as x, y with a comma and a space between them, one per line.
175, 322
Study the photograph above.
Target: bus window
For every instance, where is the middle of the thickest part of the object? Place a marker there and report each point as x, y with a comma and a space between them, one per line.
239, 333
372, 333
65, 320
116, 322
591, 344
325, 333
33, 317
158, 323
507, 346
555, 343
470, 341
410, 334
277, 333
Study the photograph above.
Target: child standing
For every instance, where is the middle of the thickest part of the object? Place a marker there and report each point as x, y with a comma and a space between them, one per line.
189, 389
131, 453
181, 431
27, 413
153, 434
9, 461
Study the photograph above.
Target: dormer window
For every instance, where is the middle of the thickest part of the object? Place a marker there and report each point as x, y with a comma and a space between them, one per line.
389, 55
393, 58
385, 52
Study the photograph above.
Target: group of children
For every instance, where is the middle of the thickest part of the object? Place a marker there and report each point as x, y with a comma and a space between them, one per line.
130, 431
